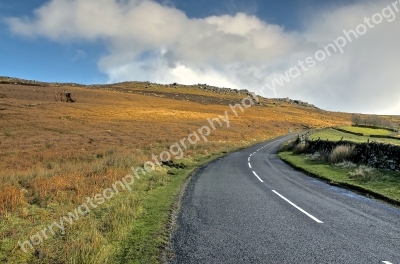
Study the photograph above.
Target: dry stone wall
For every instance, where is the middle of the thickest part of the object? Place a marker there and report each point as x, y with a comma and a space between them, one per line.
374, 154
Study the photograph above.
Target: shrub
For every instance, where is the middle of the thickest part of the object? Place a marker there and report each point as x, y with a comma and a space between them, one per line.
342, 153
364, 173
325, 156
357, 120
314, 157
301, 148
288, 146
318, 156
346, 164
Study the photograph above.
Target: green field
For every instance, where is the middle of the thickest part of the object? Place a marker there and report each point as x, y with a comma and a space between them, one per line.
367, 131
384, 183
335, 135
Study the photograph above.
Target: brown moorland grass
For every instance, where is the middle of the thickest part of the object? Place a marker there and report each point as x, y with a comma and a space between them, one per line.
55, 154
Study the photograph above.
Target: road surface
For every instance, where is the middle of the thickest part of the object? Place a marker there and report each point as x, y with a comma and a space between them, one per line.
250, 207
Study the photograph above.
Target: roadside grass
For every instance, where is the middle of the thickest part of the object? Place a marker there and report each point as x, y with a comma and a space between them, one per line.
334, 135
367, 131
384, 183
129, 228
149, 233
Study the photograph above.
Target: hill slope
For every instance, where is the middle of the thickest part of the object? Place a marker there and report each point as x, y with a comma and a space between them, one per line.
55, 154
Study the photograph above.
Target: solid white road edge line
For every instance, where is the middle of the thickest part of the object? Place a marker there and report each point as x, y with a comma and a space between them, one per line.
298, 208
257, 176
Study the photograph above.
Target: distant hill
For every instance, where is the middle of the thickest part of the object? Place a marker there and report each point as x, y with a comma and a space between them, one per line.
124, 86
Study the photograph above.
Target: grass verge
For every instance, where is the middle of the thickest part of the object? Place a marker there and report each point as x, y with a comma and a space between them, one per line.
149, 233
132, 227
384, 185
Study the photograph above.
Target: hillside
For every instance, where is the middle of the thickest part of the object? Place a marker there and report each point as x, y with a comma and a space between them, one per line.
54, 154
133, 115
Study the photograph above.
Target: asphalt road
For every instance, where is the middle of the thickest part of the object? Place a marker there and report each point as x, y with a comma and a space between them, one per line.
250, 207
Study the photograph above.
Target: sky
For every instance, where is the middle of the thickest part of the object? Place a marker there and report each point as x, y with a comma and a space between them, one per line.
340, 55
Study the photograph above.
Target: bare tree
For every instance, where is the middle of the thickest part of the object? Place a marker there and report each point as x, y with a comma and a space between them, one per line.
68, 97
374, 120
63, 97
57, 96
357, 120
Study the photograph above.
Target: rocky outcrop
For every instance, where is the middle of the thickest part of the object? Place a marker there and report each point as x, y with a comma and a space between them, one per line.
294, 102
223, 90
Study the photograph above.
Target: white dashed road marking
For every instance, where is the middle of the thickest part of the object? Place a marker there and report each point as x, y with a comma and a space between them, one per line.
298, 208
257, 176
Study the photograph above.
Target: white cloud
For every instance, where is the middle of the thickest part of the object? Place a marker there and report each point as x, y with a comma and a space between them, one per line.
149, 41
364, 78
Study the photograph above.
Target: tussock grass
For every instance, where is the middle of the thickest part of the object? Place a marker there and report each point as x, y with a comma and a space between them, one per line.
346, 164
300, 148
365, 174
341, 154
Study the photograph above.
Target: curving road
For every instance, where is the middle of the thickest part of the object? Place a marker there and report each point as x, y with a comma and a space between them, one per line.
250, 207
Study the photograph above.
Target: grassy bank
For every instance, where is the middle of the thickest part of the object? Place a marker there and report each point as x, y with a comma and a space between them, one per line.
148, 234
129, 228
383, 183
